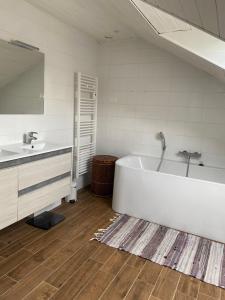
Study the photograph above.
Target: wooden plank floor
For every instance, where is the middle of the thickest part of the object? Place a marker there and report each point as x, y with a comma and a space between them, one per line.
63, 264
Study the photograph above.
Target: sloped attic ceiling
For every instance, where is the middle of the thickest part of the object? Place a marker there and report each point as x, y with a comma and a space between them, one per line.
193, 40
208, 15
122, 19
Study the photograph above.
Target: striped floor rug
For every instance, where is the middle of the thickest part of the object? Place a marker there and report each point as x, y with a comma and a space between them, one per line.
186, 253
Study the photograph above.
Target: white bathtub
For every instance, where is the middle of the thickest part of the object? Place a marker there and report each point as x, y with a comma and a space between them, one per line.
195, 204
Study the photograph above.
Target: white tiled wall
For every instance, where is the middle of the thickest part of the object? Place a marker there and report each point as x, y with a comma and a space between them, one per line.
66, 51
144, 90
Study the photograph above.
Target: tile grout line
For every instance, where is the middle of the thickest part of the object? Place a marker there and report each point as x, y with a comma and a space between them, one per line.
21, 280
65, 282
155, 284
44, 234
220, 294
65, 263
198, 290
85, 242
110, 255
176, 289
10, 278
43, 281
90, 278
51, 271
6, 274
25, 245
32, 254
135, 280
100, 297
17, 240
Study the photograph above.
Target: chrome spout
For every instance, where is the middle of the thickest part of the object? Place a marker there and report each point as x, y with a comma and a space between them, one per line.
189, 156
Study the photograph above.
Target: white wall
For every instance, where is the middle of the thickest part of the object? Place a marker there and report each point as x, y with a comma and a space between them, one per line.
144, 90
66, 51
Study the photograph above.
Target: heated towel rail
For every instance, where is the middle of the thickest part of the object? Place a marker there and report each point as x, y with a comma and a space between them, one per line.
85, 112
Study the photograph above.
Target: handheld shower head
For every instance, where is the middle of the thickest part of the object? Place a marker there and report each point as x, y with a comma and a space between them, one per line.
161, 135
163, 140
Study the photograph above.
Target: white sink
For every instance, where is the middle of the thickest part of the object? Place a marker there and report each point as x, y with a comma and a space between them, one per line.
5, 153
22, 150
35, 147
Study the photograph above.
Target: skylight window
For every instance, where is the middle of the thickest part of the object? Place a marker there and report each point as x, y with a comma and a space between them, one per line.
161, 21
182, 34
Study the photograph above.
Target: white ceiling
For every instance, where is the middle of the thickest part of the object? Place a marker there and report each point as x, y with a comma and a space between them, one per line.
121, 20
96, 17
208, 15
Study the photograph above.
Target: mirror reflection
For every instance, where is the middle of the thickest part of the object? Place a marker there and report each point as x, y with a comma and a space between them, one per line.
21, 80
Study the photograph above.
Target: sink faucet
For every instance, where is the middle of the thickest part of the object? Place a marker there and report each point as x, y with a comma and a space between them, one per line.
29, 137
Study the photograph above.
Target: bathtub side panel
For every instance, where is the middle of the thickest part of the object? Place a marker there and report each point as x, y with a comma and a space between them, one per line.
182, 203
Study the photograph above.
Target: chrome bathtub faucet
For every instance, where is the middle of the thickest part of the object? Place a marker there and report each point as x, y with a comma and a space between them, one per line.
188, 155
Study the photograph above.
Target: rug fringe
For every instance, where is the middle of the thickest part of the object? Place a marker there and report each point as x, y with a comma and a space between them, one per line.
98, 235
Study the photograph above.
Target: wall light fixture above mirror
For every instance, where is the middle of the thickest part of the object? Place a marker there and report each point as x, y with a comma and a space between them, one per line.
21, 79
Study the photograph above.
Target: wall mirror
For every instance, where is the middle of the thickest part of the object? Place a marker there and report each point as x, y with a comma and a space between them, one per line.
21, 79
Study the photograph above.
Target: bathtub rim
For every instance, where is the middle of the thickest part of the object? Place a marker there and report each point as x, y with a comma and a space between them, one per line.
118, 164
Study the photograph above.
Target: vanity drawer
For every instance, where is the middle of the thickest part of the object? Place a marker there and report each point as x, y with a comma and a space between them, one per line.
41, 198
39, 171
8, 197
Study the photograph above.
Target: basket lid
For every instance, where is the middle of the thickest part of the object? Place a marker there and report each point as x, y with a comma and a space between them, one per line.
105, 159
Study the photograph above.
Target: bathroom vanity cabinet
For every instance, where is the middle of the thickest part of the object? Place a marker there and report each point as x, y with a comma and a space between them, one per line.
29, 184
8, 196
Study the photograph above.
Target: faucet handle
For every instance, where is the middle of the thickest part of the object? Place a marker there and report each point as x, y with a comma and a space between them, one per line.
196, 155
31, 133
29, 137
183, 153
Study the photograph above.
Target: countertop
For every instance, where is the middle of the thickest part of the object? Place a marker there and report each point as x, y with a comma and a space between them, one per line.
22, 154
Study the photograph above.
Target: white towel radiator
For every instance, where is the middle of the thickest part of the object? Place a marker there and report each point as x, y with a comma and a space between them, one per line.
85, 112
